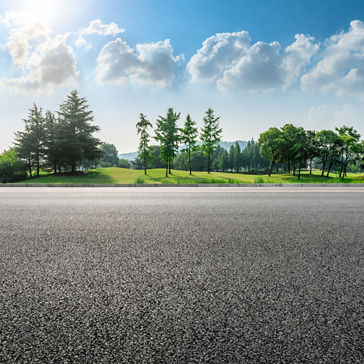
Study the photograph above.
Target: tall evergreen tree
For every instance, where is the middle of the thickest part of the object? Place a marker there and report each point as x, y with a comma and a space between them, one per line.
210, 135
237, 157
167, 133
144, 149
77, 143
189, 137
31, 144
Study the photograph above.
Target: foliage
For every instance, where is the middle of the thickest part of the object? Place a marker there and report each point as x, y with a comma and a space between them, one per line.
144, 151
210, 135
109, 156
189, 135
11, 167
124, 163
167, 133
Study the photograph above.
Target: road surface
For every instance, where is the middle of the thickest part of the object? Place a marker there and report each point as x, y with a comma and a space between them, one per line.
182, 275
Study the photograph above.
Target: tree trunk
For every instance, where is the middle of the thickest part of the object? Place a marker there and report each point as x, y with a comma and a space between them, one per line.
271, 167
73, 168
208, 163
329, 169
310, 166
323, 167
55, 168
189, 162
145, 166
167, 167
299, 171
30, 169
289, 167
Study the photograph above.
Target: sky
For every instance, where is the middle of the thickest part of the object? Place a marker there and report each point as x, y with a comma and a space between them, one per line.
257, 63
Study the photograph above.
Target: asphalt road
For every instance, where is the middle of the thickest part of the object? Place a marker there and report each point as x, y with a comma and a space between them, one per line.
182, 275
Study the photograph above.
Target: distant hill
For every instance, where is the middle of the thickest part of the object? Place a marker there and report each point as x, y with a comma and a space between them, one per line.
226, 145
129, 156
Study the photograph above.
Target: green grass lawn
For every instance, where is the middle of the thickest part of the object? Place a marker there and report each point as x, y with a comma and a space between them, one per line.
122, 175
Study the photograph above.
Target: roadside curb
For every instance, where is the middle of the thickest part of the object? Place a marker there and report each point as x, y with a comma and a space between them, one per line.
310, 185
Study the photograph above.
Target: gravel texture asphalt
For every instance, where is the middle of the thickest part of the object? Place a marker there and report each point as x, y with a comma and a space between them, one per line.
187, 275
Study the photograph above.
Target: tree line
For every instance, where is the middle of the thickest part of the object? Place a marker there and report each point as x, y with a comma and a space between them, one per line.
170, 136
64, 141
295, 148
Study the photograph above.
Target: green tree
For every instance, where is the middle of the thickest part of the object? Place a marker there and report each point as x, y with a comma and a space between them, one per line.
237, 157
222, 160
53, 132
77, 142
210, 135
31, 143
189, 135
144, 150
167, 134
109, 156
124, 163
11, 167
325, 140
312, 147
351, 148
270, 146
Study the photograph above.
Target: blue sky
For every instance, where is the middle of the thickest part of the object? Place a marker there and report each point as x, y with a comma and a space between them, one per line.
257, 63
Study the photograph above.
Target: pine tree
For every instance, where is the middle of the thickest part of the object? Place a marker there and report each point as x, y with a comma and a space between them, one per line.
210, 135
77, 143
167, 133
144, 150
31, 144
189, 137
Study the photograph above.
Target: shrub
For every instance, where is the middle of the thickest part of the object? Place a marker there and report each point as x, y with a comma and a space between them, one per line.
139, 180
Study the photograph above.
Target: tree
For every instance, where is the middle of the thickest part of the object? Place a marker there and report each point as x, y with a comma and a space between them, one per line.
189, 137
351, 148
77, 143
31, 143
325, 140
167, 133
144, 151
312, 147
53, 133
11, 167
237, 157
222, 160
124, 163
210, 135
270, 146
109, 157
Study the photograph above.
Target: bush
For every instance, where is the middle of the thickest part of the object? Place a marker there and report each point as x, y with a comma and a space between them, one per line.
139, 180
259, 179
11, 168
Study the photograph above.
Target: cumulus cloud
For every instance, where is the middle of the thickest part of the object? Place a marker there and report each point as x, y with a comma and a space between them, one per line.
46, 61
342, 65
23, 29
97, 27
53, 63
233, 63
150, 63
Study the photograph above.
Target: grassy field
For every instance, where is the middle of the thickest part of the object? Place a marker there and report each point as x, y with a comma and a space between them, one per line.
122, 175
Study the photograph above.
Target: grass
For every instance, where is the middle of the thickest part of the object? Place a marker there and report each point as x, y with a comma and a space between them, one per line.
123, 175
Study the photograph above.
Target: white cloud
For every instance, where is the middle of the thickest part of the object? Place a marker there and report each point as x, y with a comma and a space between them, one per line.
23, 29
151, 63
233, 63
46, 61
53, 63
342, 65
97, 27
